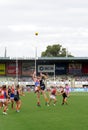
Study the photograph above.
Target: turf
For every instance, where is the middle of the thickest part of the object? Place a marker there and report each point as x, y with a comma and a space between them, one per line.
73, 116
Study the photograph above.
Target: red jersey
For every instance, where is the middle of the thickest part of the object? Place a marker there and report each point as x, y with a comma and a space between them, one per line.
1, 94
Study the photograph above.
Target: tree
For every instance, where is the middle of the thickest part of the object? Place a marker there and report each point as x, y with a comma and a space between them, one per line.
55, 50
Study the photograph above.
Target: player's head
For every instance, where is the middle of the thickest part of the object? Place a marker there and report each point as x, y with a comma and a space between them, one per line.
17, 87
4, 87
62, 91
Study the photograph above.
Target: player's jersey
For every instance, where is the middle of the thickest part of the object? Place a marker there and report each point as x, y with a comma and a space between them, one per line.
12, 90
42, 84
37, 83
16, 95
2, 96
67, 88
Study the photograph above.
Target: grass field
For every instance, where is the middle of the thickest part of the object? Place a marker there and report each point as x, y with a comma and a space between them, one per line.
73, 116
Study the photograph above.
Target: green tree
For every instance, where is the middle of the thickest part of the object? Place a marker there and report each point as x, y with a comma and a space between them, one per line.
55, 50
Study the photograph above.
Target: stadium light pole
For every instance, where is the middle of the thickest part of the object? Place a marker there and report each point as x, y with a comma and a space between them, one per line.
36, 34
54, 72
16, 71
66, 52
35, 60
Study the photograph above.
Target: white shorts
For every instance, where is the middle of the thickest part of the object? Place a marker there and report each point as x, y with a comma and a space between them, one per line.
11, 98
2, 100
52, 97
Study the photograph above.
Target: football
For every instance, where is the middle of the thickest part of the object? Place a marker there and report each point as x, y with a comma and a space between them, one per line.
36, 33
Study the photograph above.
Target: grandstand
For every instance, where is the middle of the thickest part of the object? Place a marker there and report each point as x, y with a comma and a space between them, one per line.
60, 70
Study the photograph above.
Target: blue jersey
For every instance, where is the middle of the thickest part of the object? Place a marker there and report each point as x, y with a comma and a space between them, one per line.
5, 95
37, 83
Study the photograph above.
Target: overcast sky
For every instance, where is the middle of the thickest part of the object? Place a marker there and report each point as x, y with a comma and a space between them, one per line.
63, 22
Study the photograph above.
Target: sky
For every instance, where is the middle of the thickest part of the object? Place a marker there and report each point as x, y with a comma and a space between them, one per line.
63, 22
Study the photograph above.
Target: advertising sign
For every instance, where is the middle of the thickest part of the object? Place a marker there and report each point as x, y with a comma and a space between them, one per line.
46, 68
2, 69
85, 68
11, 69
75, 68
28, 69
60, 69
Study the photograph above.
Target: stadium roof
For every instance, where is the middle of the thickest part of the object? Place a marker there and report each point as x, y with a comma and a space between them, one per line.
45, 58
63, 58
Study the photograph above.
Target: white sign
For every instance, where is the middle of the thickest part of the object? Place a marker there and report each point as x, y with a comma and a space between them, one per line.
46, 68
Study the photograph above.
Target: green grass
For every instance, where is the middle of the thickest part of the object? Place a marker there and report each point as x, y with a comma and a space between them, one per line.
73, 116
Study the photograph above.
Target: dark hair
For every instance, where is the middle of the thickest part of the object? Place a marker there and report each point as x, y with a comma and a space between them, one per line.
62, 91
17, 86
4, 86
